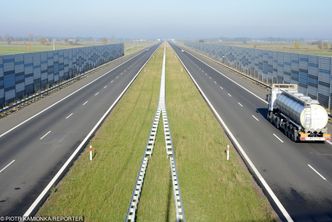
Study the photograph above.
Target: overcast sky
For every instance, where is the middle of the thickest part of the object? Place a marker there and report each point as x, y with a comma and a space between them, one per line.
168, 18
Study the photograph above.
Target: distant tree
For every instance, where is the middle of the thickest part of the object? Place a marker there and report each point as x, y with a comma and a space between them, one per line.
9, 39
104, 41
325, 45
44, 41
296, 45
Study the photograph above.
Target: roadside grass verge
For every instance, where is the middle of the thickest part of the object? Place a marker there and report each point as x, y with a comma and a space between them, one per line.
100, 190
132, 47
213, 189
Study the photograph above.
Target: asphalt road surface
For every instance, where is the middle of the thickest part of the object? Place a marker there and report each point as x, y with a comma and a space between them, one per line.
300, 174
31, 154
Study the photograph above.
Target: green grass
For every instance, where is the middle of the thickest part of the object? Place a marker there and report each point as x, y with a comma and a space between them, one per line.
213, 189
101, 190
157, 202
20, 47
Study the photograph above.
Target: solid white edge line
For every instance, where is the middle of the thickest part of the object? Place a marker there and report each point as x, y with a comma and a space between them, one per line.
317, 172
67, 117
255, 118
41, 138
243, 153
85, 103
230, 79
5, 167
80, 146
278, 138
47, 108
240, 104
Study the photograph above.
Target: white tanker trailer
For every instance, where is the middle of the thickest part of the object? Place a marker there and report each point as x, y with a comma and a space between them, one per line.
300, 117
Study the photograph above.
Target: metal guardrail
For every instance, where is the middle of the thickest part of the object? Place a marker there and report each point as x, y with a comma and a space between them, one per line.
133, 205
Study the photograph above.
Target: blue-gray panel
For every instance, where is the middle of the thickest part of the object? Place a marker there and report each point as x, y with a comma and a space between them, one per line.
311, 73
24, 74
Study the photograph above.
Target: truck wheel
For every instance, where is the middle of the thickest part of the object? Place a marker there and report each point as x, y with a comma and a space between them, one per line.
295, 136
278, 123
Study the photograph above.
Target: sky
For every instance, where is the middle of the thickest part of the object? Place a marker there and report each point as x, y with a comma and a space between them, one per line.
179, 19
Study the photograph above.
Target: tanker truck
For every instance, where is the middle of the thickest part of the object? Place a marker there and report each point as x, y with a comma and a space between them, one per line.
298, 116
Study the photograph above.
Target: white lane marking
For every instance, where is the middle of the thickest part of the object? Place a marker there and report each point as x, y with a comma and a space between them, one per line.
221, 87
317, 172
215, 82
329, 142
3, 169
41, 138
79, 147
67, 117
85, 102
47, 108
243, 153
278, 138
97, 93
240, 104
261, 99
229, 95
255, 118
112, 81
105, 87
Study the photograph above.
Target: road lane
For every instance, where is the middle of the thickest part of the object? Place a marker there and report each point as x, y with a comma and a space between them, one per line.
43, 144
282, 164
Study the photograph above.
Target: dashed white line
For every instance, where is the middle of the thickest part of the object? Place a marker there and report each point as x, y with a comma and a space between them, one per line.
85, 103
229, 95
105, 87
221, 87
317, 172
255, 118
67, 117
41, 138
215, 82
240, 104
278, 138
3, 169
96, 94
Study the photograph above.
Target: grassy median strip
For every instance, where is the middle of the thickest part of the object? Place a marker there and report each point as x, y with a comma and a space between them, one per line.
157, 202
213, 189
101, 189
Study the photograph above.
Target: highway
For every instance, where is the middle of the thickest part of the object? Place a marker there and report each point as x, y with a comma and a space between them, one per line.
32, 153
299, 174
